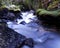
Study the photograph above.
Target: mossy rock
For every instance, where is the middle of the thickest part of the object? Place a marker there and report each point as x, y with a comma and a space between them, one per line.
11, 7
46, 12
49, 18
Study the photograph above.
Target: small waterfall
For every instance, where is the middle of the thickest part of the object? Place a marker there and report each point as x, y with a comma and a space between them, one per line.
27, 17
29, 27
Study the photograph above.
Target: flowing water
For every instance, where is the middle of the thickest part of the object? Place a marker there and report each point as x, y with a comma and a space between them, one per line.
29, 27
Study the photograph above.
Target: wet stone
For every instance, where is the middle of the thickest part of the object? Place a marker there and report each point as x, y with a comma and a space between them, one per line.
11, 39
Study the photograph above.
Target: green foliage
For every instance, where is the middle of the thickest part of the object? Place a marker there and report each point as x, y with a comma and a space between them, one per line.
6, 2
11, 7
53, 5
46, 12
35, 4
9, 4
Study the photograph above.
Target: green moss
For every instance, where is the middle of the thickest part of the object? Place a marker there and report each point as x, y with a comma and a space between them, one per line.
11, 7
46, 12
39, 10
53, 5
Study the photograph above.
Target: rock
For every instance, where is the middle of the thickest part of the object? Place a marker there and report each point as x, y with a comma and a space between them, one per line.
10, 16
23, 22
3, 12
16, 13
28, 42
11, 39
8, 13
49, 19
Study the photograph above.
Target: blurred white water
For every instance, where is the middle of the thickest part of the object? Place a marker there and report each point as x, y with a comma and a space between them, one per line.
27, 17
43, 39
31, 28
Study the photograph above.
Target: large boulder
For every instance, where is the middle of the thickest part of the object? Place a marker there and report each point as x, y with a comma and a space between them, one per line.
3, 12
49, 19
11, 39
11, 12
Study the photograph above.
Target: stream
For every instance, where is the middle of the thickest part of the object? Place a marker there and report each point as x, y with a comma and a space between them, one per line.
29, 27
